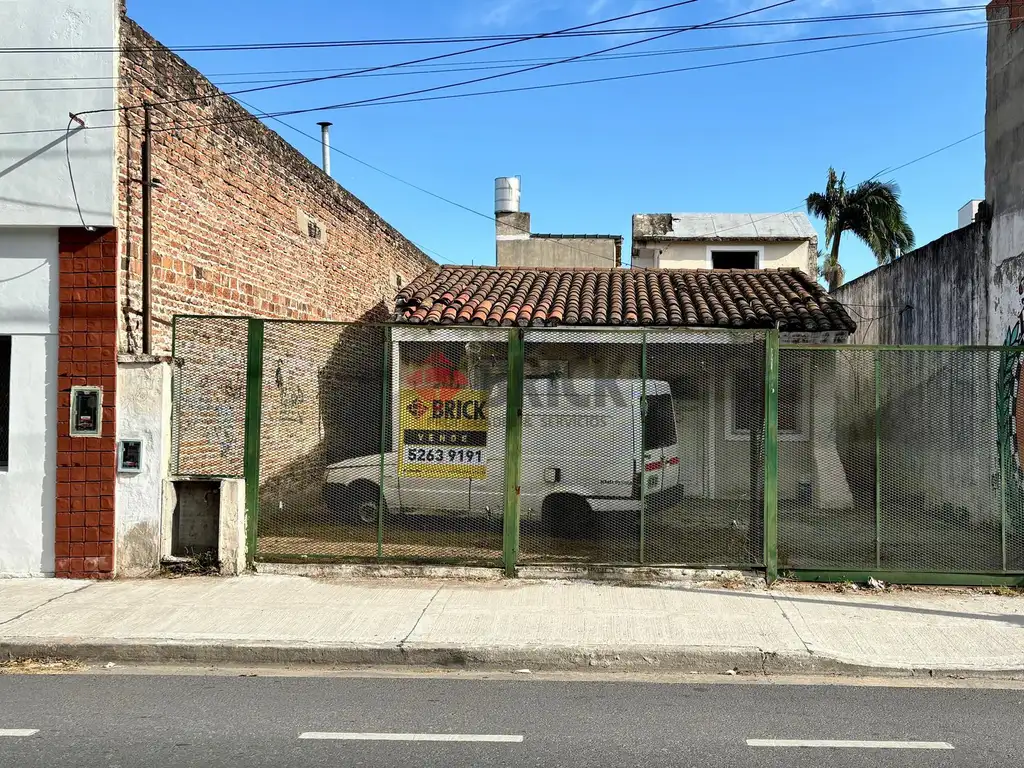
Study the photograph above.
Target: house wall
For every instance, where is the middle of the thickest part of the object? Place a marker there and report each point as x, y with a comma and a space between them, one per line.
936, 294
800, 254
29, 276
243, 223
35, 184
558, 252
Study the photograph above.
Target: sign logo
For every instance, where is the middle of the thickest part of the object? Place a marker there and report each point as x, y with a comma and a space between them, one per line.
417, 408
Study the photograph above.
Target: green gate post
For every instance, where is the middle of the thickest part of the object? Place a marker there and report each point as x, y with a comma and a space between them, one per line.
878, 459
643, 443
253, 409
771, 457
513, 450
385, 417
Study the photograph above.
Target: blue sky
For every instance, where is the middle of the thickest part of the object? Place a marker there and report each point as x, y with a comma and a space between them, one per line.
747, 138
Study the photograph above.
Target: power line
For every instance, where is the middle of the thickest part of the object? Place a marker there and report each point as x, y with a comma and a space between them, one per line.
428, 58
432, 89
597, 58
612, 78
581, 31
544, 86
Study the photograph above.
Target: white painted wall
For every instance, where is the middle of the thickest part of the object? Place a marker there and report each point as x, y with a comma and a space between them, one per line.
143, 412
35, 187
694, 254
29, 275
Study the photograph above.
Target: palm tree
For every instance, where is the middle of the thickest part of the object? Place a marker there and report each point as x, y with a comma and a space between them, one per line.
871, 210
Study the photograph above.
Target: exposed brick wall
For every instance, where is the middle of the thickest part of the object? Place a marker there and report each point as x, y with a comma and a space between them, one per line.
231, 219
87, 356
1016, 11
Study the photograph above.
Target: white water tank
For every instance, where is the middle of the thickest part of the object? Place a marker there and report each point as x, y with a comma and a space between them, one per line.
506, 194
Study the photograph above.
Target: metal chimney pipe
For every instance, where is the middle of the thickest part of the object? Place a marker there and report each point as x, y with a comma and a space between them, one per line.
325, 142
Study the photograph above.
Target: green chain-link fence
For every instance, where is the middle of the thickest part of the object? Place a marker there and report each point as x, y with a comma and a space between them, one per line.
621, 446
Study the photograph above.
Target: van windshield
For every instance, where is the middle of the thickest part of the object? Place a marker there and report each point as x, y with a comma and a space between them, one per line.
660, 426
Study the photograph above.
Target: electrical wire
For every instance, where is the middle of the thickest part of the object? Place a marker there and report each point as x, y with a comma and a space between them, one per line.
400, 97
582, 31
72, 119
523, 89
964, 26
439, 57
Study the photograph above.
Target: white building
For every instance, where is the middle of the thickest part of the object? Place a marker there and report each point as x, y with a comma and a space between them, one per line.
724, 241
39, 151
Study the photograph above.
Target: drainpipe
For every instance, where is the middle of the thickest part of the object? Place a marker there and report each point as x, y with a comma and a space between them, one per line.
147, 234
325, 143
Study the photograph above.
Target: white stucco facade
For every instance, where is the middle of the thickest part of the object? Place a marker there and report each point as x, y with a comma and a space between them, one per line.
143, 413
29, 276
36, 200
697, 254
35, 185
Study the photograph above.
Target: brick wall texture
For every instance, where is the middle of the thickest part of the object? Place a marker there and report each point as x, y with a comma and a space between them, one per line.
87, 356
243, 223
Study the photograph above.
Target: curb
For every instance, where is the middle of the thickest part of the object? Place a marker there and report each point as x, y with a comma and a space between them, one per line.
746, 661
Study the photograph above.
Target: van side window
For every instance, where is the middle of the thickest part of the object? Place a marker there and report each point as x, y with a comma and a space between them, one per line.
660, 426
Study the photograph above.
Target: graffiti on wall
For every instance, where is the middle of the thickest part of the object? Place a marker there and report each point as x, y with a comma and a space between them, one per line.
1009, 404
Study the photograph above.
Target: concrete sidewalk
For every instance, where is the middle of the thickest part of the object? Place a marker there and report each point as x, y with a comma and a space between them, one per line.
273, 619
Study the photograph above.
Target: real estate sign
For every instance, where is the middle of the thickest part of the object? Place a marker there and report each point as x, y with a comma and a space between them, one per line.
442, 433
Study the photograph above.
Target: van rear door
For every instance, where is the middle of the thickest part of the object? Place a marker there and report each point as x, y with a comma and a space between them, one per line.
661, 458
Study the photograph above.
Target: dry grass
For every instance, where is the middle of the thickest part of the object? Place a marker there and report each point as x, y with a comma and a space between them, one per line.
39, 666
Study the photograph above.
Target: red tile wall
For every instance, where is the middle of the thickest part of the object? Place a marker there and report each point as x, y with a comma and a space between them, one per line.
1016, 11
87, 356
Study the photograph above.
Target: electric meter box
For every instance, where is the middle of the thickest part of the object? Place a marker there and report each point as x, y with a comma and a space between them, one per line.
86, 412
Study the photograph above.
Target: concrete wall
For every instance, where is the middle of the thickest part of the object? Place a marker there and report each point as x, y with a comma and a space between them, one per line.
143, 413
29, 275
694, 254
35, 186
558, 252
937, 294
1004, 168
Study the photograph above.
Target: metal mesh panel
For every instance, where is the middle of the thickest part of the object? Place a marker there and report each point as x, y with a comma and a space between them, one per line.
910, 463
208, 426
343, 410
705, 446
449, 436
582, 447
938, 468
827, 458
320, 437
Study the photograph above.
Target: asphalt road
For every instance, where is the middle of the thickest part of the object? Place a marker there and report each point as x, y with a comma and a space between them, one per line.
256, 722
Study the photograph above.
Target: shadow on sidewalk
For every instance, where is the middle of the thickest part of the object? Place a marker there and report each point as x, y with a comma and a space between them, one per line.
1012, 619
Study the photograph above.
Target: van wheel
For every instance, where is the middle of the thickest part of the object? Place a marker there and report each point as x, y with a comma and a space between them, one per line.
363, 498
567, 516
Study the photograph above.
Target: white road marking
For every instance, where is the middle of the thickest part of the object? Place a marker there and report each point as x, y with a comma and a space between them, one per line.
411, 736
18, 731
848, 744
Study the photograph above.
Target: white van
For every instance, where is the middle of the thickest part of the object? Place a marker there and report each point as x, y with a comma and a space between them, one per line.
580, 460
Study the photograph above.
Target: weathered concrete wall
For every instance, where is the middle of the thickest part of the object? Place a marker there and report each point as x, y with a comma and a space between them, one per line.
693, 254
937, 294
143, 413
558, 252
36, 189
1004, 168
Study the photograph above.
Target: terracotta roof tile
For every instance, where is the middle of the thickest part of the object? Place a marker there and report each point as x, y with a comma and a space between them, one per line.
658, 297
